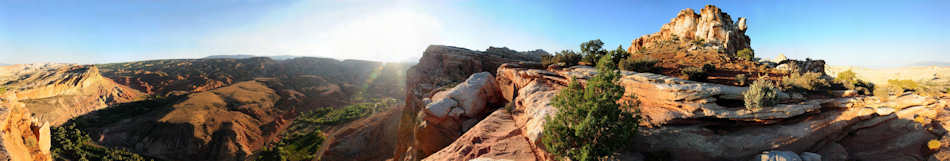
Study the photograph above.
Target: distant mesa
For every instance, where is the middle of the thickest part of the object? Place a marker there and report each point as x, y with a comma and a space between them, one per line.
241, 56
711, 28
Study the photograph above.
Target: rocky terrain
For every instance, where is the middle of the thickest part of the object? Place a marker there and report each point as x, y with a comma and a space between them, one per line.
681, 119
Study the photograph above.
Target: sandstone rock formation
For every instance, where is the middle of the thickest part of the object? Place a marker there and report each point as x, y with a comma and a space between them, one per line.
438, 67
711, 26
22, 137
688, 120
58, 92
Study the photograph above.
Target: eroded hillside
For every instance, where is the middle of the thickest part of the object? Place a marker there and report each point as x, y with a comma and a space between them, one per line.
58, 92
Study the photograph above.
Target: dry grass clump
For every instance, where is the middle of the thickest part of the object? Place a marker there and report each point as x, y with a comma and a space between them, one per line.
762, 93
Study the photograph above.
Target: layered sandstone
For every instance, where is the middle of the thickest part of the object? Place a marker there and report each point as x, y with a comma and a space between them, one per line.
714, 28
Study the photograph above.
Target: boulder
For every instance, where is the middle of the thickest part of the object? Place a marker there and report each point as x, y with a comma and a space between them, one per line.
448, 113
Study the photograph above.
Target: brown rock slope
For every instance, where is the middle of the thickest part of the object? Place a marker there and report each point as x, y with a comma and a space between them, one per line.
58, 92
439, 67
227, 123
22, 137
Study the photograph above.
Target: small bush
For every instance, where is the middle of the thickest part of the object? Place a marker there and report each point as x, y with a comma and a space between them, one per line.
645, 64
3, 90
742, 79
933, 144
807, 82
745, 54
590, 124
762, 93
510, 107
569, 58
694, 73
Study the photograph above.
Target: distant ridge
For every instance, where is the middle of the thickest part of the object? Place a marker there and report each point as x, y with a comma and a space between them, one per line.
241, 56
931, 63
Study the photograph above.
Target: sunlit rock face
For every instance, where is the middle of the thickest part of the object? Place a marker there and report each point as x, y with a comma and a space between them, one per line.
713, 27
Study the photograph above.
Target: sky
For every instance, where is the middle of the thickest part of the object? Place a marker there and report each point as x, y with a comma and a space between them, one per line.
860, 33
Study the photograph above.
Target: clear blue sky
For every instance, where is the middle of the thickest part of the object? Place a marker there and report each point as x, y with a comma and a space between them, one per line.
864, 33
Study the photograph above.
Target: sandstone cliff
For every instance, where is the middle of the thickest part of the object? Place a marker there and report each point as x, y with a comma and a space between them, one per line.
58, 92
22, 137
711, 28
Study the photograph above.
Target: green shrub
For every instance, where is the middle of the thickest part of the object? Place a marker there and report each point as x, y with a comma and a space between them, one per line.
569, 58
742, 79
510, 107
850, 80
590, 124
592, 51
745, 54
70, 143
807, 82
619, 54
694, 73
3, 90
645, 64
762, 93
